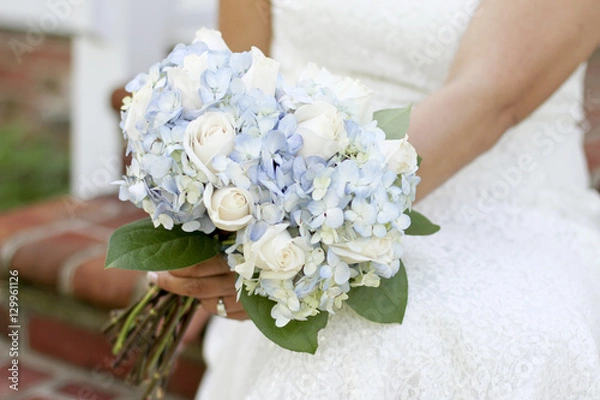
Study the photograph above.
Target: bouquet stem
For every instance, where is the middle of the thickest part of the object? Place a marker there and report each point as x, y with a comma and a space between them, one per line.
150, 332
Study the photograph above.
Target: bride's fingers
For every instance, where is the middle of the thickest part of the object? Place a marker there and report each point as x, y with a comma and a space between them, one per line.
200, 288
213, 266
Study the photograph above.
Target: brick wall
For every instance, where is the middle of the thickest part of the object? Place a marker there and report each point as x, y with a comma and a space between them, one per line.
34, 89
58, 248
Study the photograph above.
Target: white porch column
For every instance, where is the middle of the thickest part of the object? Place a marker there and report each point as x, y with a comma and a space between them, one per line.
119, 39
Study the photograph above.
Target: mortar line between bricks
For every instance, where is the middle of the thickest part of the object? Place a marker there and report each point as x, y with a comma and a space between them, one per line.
45, 389
70, 266
104, 212
14, 243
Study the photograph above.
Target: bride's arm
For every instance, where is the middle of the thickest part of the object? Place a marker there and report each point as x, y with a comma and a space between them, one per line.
513, 56
246, 23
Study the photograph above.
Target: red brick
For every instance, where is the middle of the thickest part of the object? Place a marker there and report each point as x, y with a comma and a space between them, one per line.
83, 391
78, 346
28, 377
40, 262
107, 288
31, 216
50, 56
51, 60
75, 345
186, 377
60, 208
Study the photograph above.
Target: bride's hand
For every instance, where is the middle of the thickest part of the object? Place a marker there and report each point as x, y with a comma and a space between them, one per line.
209, 282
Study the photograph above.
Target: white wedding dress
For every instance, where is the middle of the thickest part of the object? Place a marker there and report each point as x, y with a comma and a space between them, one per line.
504, 301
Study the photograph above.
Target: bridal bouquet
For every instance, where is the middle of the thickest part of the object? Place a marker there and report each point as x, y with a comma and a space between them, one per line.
303, 187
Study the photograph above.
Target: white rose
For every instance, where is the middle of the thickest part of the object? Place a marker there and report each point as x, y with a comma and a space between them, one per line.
400, 156
320, 75
262, 74
212, 38
276, 253
136, 111
357, 97
186, 80
322, 129
350, 91
205, 137
229, 208
379, 250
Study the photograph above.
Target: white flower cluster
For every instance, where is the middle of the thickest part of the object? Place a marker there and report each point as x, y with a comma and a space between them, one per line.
299, 173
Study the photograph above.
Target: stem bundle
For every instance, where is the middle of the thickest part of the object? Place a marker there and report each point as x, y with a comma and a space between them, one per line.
148, 333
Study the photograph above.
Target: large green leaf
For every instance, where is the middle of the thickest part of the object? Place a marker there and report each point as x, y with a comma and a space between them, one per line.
393, 121
384, 304
141, 246
420, 225
298, 336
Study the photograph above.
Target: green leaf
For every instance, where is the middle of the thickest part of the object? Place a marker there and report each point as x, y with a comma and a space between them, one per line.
300, 336
141, 246
420, 225
393, 121
384, 304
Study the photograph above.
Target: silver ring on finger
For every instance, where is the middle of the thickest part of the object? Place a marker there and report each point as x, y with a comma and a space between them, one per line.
221, 310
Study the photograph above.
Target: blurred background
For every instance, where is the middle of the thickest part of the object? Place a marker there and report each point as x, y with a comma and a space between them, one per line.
61, 62
61, 59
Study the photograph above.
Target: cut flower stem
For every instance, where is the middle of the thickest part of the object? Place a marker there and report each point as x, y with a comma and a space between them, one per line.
149, 333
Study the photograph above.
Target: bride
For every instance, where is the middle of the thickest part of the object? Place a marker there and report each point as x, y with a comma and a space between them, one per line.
504, 301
